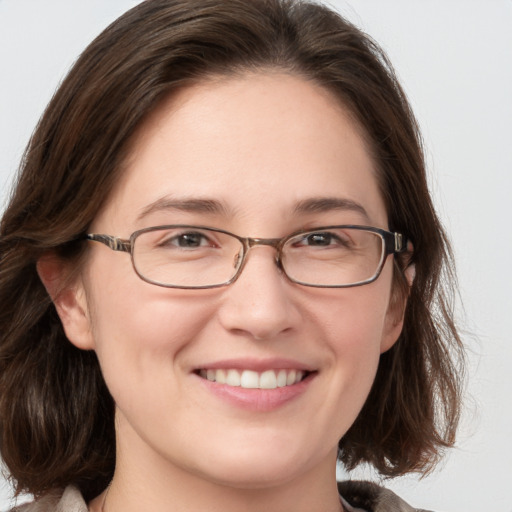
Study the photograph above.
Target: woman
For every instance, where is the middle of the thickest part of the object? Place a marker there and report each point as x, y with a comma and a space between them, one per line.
278, 303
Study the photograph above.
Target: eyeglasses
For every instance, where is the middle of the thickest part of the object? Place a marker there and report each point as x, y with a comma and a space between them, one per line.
182, 256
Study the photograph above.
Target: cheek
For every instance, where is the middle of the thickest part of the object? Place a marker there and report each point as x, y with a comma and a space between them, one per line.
126, 311
355, 319
141, 344
355, 340
354, 326
349, 327
140, 329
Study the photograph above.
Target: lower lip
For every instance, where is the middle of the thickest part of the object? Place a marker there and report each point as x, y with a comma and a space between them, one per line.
261, 400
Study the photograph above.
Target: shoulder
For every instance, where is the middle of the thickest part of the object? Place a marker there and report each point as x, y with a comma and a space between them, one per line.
70, 500
369, 497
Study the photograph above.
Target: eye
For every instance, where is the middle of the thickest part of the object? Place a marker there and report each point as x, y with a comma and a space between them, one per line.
321, 239
187, 240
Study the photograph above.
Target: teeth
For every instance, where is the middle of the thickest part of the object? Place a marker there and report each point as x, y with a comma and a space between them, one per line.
233, 378
268, 380
248, 379
281, 379
220, 376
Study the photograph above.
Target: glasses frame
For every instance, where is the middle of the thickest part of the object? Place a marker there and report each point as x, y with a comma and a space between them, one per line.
393, 243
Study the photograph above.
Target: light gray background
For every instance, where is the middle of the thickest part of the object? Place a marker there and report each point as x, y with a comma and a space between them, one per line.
454, 58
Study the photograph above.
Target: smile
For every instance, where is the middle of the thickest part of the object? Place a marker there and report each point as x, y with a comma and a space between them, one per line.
249, 379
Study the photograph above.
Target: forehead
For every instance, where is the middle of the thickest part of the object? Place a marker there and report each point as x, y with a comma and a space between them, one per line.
257, 144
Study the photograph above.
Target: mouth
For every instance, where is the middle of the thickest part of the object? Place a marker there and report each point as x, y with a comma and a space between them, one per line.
249, 379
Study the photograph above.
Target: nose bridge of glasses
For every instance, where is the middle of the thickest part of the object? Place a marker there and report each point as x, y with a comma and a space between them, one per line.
272, 242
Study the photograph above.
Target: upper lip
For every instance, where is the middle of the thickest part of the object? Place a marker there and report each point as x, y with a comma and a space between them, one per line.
257, 365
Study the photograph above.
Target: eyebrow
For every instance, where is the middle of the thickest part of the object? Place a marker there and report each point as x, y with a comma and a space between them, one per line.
215, 207
196, 205
327, 204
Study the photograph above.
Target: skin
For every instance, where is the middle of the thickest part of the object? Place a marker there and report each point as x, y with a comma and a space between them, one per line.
257, 144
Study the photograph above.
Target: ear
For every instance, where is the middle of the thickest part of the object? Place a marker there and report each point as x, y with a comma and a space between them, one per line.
394, 321
69, 298
410, 274
392, 329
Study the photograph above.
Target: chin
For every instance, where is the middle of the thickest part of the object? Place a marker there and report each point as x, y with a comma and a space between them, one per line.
248, 476
258, 468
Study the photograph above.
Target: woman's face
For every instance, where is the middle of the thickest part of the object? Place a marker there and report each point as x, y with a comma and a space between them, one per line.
245, 155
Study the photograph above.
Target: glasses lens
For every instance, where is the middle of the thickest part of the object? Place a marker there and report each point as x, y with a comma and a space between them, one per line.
333, 257
186, 256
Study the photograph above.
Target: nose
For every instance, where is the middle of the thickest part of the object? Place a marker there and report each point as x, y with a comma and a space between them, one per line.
259, 304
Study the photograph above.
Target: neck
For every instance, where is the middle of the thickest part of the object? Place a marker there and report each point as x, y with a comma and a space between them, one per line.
146, 479
123, 496
147, 485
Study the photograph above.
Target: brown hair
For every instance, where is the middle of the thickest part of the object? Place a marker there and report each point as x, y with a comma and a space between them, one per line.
56, 415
